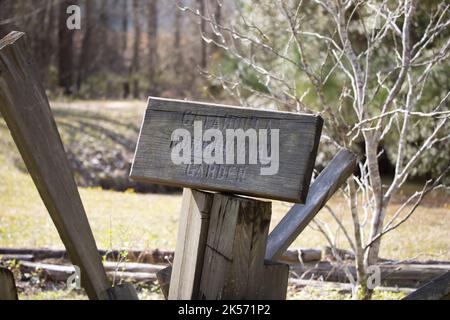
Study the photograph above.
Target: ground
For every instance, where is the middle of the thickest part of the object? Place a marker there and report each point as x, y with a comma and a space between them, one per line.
132, 220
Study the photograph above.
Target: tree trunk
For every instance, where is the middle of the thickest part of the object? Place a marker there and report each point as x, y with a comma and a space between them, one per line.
218, 20
379, 210
126, 84
134, 66
85, 46
65, 49
203, 49
178, 61
153, 43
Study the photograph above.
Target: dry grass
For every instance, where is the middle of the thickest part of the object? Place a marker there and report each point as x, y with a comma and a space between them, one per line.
130, 220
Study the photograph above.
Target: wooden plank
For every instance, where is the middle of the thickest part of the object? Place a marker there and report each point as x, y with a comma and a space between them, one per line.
25, 108
191, 243
274, 283
437, 289
124, 291
299, 216
144, 256
234, 257
8, 289
298, 138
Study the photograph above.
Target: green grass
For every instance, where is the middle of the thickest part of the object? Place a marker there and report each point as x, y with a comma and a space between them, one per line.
129, 220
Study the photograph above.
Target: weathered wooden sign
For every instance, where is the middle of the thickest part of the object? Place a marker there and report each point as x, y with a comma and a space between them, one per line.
230, 149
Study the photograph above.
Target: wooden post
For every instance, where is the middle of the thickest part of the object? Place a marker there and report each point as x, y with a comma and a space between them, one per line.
8, 289
299, 216
292, 138
274, 281
25, 108
234, 258
191, 242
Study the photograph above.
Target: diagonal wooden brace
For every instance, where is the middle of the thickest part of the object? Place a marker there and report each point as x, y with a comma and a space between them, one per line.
8, 290
26, 110
436, 289
300, 215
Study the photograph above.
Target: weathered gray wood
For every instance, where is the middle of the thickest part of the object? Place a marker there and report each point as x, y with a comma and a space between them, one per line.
8, 289
132, 267
294, 256
274, 282
299, 136
234, 258
11, 257
149, 256
299, 216
25, 108
191, 243
124, 291
163, 277
436, 289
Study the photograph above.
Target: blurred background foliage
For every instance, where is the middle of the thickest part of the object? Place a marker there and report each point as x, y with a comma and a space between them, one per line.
130, 49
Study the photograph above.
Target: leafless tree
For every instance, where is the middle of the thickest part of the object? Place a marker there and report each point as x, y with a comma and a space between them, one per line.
85, 56
153, 42
367, 50
65, 49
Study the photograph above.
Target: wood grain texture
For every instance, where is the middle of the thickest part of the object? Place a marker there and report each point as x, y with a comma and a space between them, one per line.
299, 216
124, 291
8, 289
299, 136
437, 289
234, 256
163, 277
191, 243
274, 281
25, 108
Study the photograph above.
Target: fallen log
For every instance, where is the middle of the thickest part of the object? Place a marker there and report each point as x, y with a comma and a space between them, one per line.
152, 256
401, 275
294, 256
437, 289
392, 275
19, 257
132, 267
36, 254
342, 254
141, 277
340, 287
51, 272
60, 273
